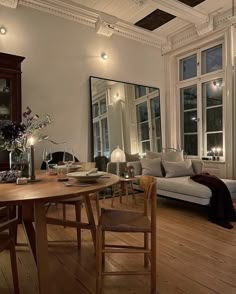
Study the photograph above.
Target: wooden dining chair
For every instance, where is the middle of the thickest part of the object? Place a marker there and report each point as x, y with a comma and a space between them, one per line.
112, 220
8, 223
77, 202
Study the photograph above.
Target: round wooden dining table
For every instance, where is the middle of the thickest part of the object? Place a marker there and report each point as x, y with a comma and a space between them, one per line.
34, 195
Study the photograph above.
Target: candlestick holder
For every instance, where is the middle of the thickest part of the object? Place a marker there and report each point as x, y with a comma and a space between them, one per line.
32, 167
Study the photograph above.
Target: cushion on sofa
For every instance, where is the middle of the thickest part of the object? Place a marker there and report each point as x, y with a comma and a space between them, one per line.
169, 156
131, 157
186, 186
151, 167
174, 156
177, 169
197, 165
152, 155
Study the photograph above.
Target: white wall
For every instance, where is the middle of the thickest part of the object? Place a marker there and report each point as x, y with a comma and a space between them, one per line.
60, 57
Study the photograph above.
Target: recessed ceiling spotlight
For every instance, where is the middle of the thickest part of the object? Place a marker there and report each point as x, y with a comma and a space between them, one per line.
104, 56
3, 30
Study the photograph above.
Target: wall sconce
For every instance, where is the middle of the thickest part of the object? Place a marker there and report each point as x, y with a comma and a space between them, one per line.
3, 30
104, 56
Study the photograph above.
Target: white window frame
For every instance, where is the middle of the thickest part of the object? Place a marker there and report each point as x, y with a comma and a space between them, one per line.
147, 98
99, 119
199, 80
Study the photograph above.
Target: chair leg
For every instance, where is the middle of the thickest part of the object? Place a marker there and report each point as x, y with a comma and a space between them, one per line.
90, 219
103, 247
14, 267
64, 212
78, 219
97, 205
146, 246
99, 246
153, 264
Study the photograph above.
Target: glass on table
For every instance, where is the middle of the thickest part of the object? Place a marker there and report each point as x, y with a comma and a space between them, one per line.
47, 157
68, 158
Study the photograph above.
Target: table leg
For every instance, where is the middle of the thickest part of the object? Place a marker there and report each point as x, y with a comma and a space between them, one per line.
41, 247
126, 192
91, 220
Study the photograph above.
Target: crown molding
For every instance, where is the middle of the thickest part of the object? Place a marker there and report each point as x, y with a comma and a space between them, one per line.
193, 33
9, 3
92, 18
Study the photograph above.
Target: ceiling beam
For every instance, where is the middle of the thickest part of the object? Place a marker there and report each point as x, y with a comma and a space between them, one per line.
182, 11
9, 3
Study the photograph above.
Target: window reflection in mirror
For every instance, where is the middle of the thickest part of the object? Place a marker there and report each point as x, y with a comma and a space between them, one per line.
124, 115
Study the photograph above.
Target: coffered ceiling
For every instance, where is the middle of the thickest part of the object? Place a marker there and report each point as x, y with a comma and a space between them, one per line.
153, 22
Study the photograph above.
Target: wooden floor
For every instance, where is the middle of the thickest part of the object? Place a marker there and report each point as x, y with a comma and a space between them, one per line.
193, 256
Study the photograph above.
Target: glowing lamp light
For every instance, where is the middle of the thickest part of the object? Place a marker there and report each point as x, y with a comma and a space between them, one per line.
118, 156
104, 56
218, 149
31, 141
3, 30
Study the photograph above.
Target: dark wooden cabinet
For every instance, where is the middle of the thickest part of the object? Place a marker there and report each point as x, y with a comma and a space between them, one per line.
10, 95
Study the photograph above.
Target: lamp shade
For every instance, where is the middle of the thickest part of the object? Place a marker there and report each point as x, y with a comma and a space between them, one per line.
118, 155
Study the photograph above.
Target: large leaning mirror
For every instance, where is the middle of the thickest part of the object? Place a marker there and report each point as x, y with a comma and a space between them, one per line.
124, 115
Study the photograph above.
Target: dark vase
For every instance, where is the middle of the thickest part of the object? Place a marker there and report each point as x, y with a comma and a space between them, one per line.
20, 161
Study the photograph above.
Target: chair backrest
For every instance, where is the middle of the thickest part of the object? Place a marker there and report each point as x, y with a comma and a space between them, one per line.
85, 166
148, 184
56, 158
101, 162
8, 217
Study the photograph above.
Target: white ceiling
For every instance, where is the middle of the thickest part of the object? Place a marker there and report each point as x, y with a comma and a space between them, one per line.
131, 11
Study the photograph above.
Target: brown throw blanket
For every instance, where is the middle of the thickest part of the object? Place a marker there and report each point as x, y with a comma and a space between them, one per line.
221, 210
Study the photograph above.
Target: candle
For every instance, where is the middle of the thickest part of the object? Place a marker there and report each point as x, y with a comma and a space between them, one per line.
32, 170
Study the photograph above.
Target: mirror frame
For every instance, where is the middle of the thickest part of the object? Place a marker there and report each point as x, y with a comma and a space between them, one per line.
91, 148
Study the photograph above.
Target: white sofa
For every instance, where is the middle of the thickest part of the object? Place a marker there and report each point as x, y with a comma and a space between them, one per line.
182, 187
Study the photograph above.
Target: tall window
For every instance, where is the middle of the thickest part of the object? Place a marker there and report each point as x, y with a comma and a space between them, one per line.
201, 81
100, 127
149, 122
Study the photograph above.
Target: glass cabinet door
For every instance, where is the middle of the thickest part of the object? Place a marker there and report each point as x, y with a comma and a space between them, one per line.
5, 99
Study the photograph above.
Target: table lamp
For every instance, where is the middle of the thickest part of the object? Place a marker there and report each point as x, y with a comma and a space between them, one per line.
118, 156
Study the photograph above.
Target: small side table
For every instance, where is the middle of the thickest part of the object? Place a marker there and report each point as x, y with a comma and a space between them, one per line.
126, 187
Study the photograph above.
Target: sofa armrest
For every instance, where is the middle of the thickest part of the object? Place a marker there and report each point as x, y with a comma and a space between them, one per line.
197, 165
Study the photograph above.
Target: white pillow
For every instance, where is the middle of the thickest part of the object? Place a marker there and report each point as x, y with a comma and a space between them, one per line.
151, 167
152, 155
173, 156
178, 169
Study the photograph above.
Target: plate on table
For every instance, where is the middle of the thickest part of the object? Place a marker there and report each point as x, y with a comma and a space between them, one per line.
85, 177
72, 168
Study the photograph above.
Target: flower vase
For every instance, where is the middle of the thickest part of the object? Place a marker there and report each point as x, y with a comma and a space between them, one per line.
20, 161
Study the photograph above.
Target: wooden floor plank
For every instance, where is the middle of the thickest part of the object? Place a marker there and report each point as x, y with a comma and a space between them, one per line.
194, 256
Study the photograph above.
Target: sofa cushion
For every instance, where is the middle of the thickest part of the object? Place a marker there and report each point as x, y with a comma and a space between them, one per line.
186, 186
183, 185
197, 165
151, 167
177, 169
131, 157
152, 155
169, 156
174, 156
